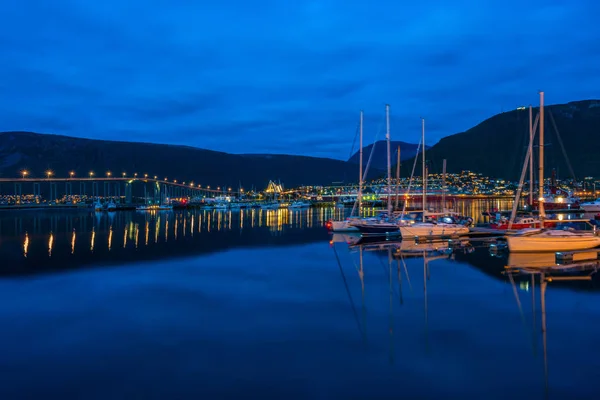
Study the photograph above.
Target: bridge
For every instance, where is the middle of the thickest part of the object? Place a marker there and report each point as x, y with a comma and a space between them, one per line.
122, 189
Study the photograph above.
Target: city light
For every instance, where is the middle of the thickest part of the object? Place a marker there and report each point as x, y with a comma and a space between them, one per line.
24, 173
108, 174
91, 174
49, 174
71, 174
123, 174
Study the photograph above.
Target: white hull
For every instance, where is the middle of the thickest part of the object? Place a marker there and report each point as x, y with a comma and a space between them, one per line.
427, 229
591, 207
343, 226
552, 240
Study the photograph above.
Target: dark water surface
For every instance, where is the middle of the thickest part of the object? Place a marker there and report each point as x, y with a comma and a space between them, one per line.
266, 304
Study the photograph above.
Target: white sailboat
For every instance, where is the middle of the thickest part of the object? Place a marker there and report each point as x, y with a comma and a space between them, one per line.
537, 240
381, 226
447, 226
348, 225
591, 206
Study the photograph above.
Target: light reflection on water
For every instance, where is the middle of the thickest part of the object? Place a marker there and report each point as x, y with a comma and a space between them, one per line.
265, 306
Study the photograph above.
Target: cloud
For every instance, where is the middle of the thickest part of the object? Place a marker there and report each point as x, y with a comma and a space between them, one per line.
279, 77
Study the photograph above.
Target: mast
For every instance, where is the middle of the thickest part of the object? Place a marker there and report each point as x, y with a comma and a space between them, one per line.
360, 172
389, 161
444, 186
530, 156
423, 161
541, 161
397, 177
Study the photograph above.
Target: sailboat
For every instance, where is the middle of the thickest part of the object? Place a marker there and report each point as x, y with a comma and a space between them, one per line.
532, 240
345, 225
446, 227
381, 226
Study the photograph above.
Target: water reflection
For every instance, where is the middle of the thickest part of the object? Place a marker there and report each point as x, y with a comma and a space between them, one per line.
524, 273
213, 230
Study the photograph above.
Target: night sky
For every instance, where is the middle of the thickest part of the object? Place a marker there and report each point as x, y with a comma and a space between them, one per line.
286, 76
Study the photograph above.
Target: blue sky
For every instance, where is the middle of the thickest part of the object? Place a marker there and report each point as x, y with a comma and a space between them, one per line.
286, 76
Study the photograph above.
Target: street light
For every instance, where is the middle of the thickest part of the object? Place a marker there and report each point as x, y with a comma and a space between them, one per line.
48, 174
123, 174
135, 175
71, 174
155, 177
108, 174
24, 173
145, 175
91, 174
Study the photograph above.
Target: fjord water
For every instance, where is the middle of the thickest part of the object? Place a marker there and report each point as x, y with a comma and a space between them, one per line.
267, 304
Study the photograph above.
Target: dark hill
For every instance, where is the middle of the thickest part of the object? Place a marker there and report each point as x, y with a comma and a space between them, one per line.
379, 160
61, 154
496, 147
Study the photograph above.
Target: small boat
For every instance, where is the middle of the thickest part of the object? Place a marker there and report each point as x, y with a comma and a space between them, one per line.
591, 206
539, 240
299, 204
98, 206
270, 206
154, 207
221, 206
518, 224
111, 206
381, 227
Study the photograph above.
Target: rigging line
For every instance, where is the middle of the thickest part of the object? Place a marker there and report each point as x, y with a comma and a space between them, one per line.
411, 179
349, 293
354, 141
562, 146
366, 171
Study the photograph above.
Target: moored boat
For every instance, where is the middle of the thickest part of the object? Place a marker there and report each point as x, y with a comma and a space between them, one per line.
540, 240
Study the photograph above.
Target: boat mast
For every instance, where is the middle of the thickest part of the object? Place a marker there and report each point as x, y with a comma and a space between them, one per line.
423, 161
397, 178
360, 172
444, 186
389, 160
530, 156
541, 161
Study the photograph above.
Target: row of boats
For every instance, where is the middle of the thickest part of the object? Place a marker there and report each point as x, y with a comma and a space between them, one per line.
525, 234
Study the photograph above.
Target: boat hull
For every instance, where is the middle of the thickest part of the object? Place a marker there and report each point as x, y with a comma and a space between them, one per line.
541, 243
590, 207
379, 229
341, 226
432, 230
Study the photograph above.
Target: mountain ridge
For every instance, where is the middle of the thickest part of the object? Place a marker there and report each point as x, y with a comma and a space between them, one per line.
36, 152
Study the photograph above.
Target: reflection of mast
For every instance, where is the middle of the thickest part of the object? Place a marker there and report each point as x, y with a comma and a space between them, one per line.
543, 284
425, 273
361, 275
391, 313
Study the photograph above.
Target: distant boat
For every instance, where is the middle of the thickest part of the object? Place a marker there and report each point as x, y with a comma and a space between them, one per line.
300, 204
154, 207
591, 206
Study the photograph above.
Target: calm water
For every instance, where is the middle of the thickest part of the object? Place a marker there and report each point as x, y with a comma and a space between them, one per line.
267, 304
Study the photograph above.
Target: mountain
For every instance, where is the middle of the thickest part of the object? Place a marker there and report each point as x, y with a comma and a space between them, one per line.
39, 152
379, 160
497, 146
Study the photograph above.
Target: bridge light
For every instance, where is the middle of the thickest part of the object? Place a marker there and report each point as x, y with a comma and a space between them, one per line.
49, 174
108, 174
91, 174
71, 174
24, 173
123, 174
